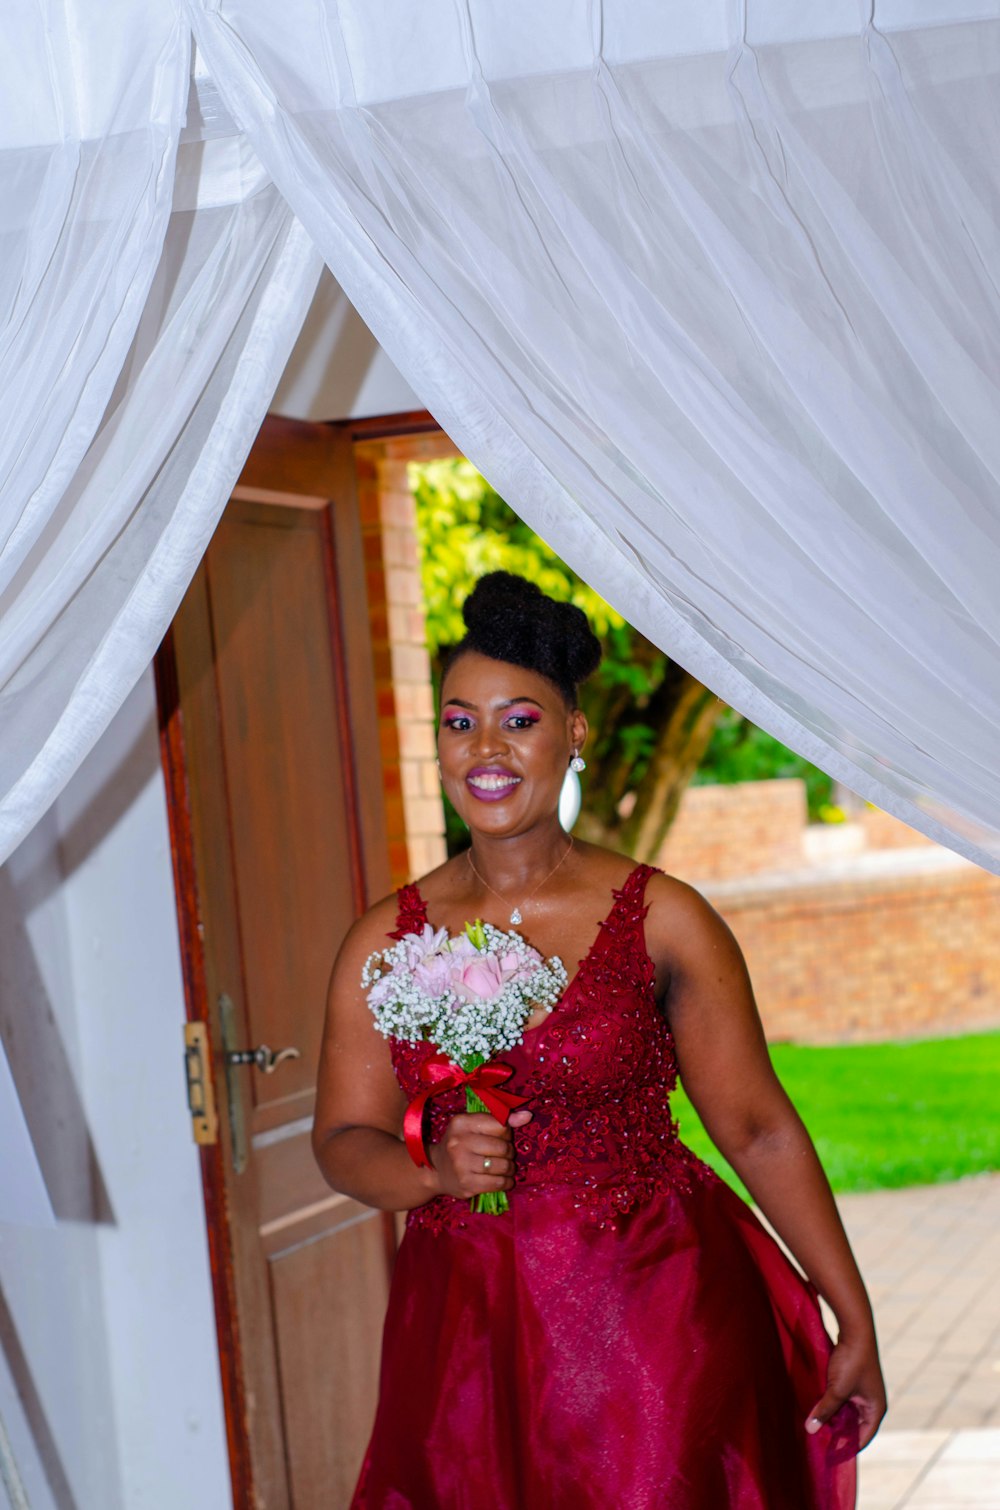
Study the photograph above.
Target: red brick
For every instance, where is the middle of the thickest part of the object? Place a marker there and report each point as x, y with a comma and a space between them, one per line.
411, 772
424, 816
411, 663
393, 474
414, 701
365, 464
382, 661
371, 545
402, 665
430, 780
399, 861
400, 625
392, 781
388, 736
403, 586
426, 853
398, 510
399, 548
369, 505
378, 619
415, 740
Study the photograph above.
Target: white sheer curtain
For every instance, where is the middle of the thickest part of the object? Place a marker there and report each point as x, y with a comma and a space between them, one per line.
714, 305
152, 281
709, 294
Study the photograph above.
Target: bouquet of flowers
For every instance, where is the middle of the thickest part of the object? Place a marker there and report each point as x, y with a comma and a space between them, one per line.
471, 997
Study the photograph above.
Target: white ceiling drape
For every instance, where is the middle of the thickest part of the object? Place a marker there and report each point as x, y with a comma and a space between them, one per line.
708, 293
152, 283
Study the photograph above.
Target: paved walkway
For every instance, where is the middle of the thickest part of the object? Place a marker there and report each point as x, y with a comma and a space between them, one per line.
931, 1258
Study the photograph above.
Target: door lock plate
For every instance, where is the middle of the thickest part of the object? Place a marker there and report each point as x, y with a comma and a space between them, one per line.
198, 1073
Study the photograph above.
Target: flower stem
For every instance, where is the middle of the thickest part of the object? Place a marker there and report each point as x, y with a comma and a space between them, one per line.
491, 1201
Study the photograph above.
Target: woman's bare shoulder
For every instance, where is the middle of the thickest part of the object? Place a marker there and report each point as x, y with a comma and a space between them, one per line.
682, 926
666, 892
373, 929
445, 881
606, 869
370, 932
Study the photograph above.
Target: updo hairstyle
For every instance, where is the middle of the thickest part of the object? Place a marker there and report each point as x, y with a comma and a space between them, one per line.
509, 619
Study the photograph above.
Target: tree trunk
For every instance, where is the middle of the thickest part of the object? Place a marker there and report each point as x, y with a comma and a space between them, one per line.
610, 765
684, 737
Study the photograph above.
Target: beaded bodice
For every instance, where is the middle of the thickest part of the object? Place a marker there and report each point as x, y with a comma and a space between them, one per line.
598, 1072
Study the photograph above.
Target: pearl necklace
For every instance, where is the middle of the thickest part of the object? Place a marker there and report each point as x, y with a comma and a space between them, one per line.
517, 916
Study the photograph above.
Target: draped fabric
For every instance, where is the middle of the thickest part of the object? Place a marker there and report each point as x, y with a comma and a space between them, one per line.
708, 293
152, 282
722, 326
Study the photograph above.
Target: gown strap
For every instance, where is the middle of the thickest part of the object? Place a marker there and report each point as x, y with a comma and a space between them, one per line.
630, 906
622, 937
411, 911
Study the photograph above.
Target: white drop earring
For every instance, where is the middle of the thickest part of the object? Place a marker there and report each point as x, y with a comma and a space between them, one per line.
571, 796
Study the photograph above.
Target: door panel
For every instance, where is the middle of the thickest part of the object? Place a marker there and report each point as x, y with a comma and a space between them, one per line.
269, 717
289, 777
340, 1354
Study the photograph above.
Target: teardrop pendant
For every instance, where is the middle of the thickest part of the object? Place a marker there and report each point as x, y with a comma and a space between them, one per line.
515, 916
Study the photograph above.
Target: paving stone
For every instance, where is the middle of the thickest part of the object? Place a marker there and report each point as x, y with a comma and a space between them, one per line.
931, 1258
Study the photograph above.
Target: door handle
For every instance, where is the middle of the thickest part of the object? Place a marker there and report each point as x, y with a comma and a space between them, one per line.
264, 1058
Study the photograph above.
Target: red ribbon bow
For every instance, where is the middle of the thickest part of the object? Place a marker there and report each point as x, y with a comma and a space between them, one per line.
442, 1073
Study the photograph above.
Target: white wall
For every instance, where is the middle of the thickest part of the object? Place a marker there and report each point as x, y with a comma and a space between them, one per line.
109, 1377
337, 369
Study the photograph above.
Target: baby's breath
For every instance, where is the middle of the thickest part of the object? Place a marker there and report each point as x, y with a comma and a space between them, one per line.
459, 1027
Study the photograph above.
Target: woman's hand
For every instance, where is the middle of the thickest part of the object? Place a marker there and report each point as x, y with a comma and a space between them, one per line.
469, 1138
854, 1374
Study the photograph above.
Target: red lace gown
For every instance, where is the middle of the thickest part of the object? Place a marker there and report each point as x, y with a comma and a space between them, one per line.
626, 1336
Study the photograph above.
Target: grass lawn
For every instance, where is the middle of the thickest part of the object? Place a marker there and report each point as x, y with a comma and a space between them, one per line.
884, 1115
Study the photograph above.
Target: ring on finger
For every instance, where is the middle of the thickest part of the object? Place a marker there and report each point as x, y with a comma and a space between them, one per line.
487, 1163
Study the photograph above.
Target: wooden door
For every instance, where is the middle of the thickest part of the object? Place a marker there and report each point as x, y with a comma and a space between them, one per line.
270, 743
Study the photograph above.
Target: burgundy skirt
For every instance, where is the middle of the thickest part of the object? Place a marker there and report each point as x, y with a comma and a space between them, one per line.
534, 1362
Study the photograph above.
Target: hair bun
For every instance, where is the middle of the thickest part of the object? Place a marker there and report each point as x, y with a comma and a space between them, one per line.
510, 619
501, 592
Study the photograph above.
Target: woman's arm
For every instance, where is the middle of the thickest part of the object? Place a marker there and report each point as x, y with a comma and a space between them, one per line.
727, 1073
357, 1135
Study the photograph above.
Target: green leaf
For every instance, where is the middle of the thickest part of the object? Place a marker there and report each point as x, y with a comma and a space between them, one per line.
477, 935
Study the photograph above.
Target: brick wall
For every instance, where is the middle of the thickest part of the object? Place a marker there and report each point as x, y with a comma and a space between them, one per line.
738, 830
870, 954
414, 813
860, 930
883, 831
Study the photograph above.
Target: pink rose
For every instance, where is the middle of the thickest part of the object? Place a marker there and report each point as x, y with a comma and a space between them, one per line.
480, 977
516, 967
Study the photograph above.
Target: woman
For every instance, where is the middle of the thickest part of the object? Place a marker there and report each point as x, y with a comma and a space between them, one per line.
626, 1334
